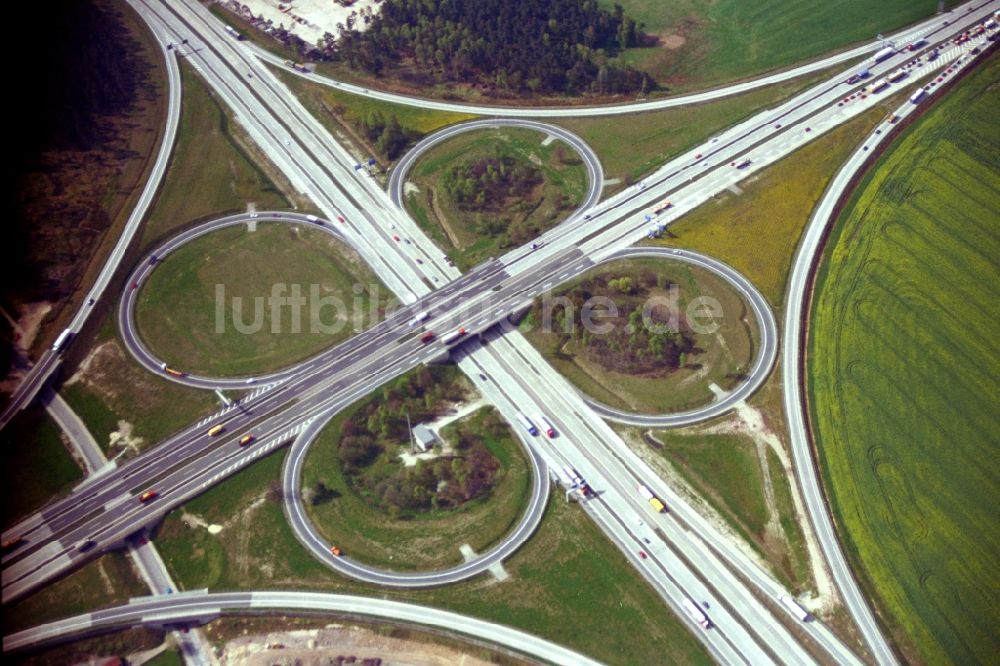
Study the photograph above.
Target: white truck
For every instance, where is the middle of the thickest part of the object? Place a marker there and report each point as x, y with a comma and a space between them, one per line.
62, 340
884, 54
453, 336
697, 614
798, 611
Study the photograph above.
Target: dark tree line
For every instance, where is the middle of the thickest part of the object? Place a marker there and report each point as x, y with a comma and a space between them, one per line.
486, 184
69, 141
385, 134
544, 46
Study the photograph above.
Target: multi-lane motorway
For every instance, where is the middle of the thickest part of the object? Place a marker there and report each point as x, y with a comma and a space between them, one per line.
746, 630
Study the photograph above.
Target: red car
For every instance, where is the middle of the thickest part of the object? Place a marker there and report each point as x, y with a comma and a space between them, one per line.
148, 495
340, 219
395, 238
642, 554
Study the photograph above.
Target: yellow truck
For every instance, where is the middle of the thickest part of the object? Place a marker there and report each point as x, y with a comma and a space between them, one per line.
653, 500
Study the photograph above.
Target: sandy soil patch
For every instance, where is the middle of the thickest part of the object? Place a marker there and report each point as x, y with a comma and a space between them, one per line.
410, 188
124, 439
313, 647
194, 521
672, 41
29, 323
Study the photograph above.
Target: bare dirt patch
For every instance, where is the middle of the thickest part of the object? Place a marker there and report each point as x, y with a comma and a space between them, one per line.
315, 647
672, 41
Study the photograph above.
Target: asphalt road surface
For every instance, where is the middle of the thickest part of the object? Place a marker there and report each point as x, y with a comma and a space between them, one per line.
323, 170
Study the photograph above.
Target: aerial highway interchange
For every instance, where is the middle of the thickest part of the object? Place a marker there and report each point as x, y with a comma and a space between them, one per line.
684, 556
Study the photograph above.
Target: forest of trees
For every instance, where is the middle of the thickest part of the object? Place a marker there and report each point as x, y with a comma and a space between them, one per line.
372, 438
629, 347
538, 46
385, 134
489, 183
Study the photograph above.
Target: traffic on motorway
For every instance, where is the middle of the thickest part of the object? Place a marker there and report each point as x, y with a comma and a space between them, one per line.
463, 316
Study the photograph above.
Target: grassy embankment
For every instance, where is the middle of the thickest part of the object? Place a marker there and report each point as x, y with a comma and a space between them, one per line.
176, 314
341, 112
44, 467
458, 231
757, 231
902, 378
211, 173
722, 356
107, 581
568, 584
704, 44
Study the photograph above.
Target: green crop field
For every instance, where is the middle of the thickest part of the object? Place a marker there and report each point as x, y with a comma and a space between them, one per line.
707, 42
178, 310
904, 374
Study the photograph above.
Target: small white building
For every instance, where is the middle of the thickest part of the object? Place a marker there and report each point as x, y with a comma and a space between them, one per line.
424, 437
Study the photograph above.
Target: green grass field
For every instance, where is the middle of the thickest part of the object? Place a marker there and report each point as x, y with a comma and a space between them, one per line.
724, 353
112, 393
32, 446
903, 378
210, 172
706, 42
177, 313
426, 541
339, 111
565, 182
567, 584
